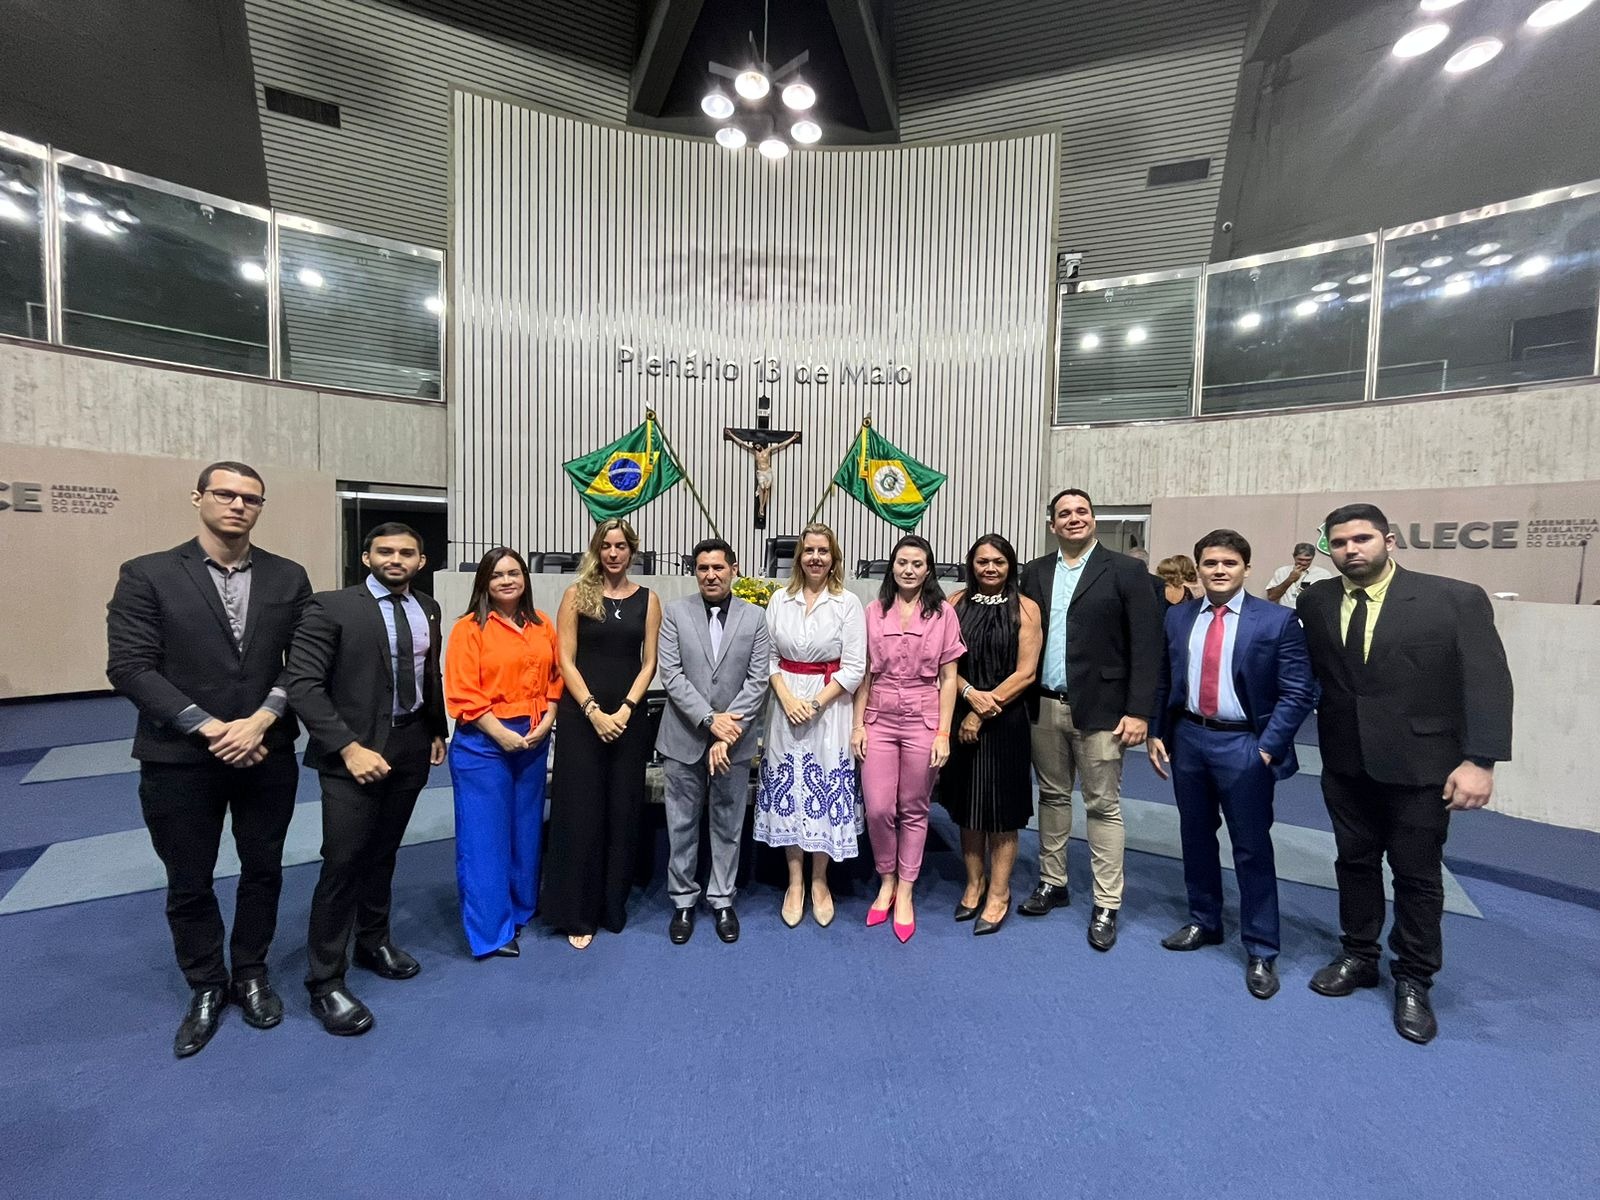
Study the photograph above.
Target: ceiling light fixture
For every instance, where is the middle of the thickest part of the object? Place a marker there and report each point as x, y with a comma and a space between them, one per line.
253, 271
1529, 267
752, 84
1402, 272
774, 94
1456, 287
310, 277
1483, 248
1496, 260
434, 304
1420, 40
731, 137
799, 95
717, 104
1358, 280
1138, 335
806, 131
1555, 12
1359, 298
773, 148
1419, 280
1473, 55
1437, 261
1250, 320
1305, 308
1327, 297
1091, 341
1327, 285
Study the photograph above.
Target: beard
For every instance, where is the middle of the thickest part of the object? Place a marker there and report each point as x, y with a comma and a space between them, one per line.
1371, 570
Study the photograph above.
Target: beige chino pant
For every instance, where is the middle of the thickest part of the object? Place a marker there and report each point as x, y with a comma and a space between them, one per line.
1060, 752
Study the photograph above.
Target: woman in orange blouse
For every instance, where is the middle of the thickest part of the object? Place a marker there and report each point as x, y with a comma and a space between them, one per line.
501, 682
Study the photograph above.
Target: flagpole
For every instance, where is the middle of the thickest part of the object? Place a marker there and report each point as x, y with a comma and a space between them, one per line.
866, 424
650, 415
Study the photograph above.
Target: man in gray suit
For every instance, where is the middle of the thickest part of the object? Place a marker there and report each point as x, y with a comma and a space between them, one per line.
713, 663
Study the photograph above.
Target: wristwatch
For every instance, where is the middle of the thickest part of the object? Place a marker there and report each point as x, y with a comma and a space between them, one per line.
705, 721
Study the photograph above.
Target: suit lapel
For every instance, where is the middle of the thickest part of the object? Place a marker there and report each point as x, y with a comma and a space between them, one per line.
1180, 656
194, 562
1389, 632
1251, 614
260, 582
372, 616
1097, 566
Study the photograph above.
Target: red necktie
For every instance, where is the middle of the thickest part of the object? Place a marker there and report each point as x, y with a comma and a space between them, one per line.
1211, 662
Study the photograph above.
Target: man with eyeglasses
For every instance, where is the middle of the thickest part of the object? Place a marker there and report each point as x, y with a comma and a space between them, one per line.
197, 638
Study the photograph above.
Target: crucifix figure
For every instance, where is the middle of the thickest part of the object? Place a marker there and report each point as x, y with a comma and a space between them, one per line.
762, 443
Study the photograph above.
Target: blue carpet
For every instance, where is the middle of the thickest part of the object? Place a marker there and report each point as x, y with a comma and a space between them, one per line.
29, 725
806, 1063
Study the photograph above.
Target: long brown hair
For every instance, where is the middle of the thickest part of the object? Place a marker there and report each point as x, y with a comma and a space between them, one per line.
586, 591
478, 607
797, 575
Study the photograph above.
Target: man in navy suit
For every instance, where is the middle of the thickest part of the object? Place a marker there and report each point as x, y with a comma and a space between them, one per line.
1235, 685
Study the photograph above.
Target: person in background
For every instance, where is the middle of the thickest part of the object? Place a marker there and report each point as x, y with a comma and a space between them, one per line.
1288, 582
1235, 686
364, 677
903, 710
1415, 712
988, 785
807, 800
1157, 585
1178, 578
502, 679
607, 628
197, 637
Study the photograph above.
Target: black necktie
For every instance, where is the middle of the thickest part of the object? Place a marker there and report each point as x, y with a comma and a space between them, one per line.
405, 672
1355, 636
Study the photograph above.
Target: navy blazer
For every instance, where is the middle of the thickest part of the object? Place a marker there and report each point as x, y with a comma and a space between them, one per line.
1271, 674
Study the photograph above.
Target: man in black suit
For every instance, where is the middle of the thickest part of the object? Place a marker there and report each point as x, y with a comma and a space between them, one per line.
197, 637
364, 677
1415, 712
1094, 698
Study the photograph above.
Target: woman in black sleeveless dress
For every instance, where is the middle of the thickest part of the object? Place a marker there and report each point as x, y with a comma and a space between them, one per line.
607, 627
987, 786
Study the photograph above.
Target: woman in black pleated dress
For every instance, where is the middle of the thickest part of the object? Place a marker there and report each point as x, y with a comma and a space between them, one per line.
987, 787
607, 627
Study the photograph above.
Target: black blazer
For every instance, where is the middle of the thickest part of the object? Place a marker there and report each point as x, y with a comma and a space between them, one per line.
1435, 689
341, 680
170, 645
1113, 638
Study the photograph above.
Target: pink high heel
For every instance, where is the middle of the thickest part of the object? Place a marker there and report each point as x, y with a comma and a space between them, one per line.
904, 932
877, 916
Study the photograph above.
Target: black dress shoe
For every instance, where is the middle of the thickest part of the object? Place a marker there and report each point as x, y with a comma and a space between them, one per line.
728, 924
1344, 975
1261, 977
682, 927
1044, 898
1192, 937
1103, 928
341, 1013
387, 960
260, 1005
1413, 1013
511, 949
201, 1021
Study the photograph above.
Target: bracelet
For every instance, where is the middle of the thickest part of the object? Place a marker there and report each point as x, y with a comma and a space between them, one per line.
591, 702
628, 702
965, 690
941, 733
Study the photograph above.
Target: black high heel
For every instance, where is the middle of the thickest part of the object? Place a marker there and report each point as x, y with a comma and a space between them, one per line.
982, 927
964, 913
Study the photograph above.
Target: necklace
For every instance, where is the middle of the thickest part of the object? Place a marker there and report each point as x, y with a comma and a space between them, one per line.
980, 598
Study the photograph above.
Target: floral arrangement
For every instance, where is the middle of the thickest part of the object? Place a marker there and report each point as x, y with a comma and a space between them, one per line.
756, 591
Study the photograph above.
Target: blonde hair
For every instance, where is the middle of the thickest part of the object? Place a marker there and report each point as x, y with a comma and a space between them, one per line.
587, 588
1178, 570
797, 575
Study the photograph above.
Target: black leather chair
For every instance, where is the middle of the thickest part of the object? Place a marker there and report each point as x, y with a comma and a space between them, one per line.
872, 568
780, 556
550, 562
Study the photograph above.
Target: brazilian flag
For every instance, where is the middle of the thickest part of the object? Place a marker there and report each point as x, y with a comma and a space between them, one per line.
887, 480
628, 474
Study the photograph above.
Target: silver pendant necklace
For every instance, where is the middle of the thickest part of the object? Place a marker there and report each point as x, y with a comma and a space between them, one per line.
980, 598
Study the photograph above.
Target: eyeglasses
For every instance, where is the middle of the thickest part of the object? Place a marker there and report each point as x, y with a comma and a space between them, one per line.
226, 498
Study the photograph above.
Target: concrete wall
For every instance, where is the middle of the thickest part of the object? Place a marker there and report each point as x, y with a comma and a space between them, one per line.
1544, 435
72, 401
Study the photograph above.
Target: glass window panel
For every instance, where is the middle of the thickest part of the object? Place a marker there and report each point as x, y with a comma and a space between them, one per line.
359, 316
160, 276
1505, 300
1288, 334
22, 286
1127, 353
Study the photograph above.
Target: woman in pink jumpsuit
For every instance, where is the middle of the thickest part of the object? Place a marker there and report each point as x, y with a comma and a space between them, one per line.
902, 729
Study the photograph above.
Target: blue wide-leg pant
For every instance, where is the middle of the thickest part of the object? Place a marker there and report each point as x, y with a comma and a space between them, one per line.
499, 802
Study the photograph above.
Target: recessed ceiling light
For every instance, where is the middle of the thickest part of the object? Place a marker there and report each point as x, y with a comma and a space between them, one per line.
731, 137
1305, 308
1359, 279
1438, 260
1420, 40
1456, 287
310, 276
1327, 285
1483, 248
1537, 265
1496, 260
1091, 341
1473, 55
1359, 298
1250, 320
1556, 11
253, 271
1402, 272
1327, 297
1137, 335
1418, 280
717, 104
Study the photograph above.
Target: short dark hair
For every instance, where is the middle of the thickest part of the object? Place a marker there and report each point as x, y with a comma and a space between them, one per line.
1050, 509
391, 529
238, 468
1224, 539
1304, 548
712, 545
1356, 512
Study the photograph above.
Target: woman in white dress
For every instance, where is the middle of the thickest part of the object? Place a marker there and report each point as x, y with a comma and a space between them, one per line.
807, 801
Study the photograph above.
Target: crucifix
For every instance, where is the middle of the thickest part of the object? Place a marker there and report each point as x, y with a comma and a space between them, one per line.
761, 443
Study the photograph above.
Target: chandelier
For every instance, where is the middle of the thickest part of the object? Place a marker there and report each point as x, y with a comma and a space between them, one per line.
766, 104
